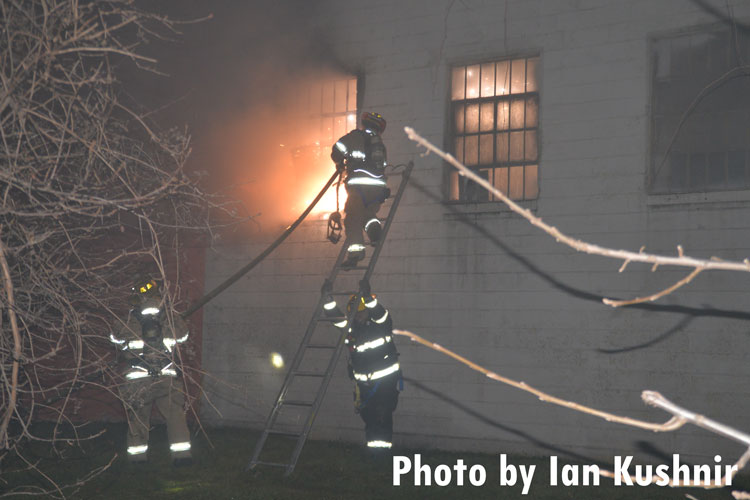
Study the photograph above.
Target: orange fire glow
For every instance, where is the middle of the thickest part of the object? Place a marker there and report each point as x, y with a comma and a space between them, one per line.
327, 203
317, 162
277, 158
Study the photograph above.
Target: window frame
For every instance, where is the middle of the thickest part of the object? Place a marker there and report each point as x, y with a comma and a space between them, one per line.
320, 124
451, 183
670, 191
316, 111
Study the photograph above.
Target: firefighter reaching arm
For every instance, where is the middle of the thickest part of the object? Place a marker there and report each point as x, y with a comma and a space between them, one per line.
373, 364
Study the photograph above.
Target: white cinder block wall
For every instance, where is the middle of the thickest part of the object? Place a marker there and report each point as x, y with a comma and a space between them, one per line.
490, 286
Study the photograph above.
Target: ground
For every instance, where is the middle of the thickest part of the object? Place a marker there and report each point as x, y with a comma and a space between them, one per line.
326, 470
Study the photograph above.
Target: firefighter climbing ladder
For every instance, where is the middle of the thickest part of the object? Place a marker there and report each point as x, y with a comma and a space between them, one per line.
324, 378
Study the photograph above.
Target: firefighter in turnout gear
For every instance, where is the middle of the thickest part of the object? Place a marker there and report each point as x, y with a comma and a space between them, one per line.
152, 377
361, 156
373, 364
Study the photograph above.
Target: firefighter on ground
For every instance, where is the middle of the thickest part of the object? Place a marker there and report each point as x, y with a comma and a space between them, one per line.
373, 363
360, 156
149, 340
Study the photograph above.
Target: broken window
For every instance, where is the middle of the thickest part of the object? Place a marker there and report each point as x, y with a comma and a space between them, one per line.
331, 110
323, 111
495, 128
700, 112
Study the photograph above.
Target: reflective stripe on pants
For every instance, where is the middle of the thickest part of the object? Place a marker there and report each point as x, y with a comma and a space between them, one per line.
139, 396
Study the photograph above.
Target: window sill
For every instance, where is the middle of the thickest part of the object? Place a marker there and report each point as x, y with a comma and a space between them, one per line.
456, 210
740, 198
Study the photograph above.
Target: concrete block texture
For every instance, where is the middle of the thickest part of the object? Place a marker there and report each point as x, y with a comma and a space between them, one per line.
490, 286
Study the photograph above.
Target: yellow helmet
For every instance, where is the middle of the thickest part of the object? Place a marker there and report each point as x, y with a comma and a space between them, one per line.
145, 286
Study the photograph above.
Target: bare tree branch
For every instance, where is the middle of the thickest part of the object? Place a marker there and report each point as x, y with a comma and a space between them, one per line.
90, 192
680, 416
582, 246
10, 302
638, 300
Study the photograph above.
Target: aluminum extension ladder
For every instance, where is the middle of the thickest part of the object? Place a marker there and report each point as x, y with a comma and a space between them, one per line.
310, 408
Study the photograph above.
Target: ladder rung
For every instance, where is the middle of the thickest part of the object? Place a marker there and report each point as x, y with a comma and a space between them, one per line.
355, 268
284, 433
309, 374
292, 402
320, 346
272, 464
368, 265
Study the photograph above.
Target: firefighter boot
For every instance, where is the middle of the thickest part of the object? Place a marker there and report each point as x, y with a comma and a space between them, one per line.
374, 231
354, 254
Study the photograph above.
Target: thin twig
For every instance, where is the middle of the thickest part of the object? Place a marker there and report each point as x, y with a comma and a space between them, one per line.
687, 279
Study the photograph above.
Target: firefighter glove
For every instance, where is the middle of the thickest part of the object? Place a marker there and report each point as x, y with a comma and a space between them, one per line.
364, 287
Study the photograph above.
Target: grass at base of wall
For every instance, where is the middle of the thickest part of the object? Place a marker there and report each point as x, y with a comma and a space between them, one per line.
326, 470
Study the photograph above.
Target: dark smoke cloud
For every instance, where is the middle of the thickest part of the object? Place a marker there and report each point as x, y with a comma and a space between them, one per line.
233, 80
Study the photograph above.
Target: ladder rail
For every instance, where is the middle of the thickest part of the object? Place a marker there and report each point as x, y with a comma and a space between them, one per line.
318, 398
391, 215
350, 316
296, 361
305, 342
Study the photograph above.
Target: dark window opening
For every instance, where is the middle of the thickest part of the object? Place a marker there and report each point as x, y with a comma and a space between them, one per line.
708, 148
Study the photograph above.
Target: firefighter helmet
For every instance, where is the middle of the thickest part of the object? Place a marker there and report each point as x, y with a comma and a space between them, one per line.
145, 286
373, 121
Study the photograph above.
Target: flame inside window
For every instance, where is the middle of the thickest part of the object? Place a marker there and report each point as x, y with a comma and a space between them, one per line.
331, 113
276, 156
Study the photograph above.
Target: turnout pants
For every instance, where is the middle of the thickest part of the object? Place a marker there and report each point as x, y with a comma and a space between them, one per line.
362, 205
377, 404
139, 397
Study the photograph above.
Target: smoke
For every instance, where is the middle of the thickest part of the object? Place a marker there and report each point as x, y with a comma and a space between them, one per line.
268, 156
241, 81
